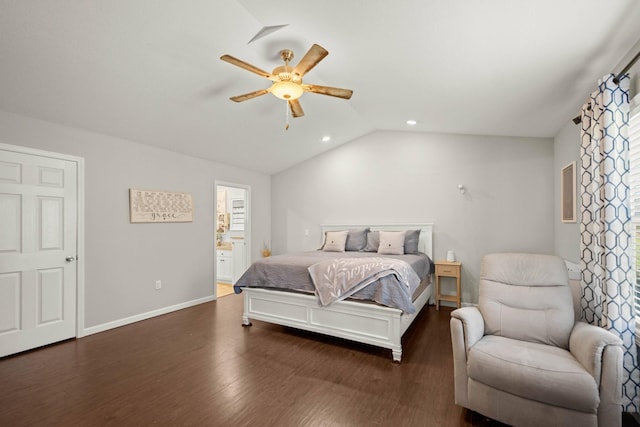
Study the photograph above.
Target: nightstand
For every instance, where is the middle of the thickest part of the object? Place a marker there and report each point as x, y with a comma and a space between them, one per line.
448, 269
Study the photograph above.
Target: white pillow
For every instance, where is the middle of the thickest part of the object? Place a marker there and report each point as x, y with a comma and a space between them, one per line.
391, 243
335, 241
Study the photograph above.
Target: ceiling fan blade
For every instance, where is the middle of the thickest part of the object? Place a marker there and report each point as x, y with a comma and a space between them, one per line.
327, 90
249, 95
240, 63
296, 108
314, 55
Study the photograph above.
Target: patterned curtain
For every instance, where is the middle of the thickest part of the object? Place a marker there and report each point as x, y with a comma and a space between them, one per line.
605, 224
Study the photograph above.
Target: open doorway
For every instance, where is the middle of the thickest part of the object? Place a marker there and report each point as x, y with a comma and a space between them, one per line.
232, 235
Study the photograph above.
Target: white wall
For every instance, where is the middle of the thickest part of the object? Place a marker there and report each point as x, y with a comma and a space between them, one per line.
407, 176
123, 260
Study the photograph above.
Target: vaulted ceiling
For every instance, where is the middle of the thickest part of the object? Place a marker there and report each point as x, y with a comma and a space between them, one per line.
149, 71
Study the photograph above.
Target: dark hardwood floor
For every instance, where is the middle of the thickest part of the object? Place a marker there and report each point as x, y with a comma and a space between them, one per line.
200, 367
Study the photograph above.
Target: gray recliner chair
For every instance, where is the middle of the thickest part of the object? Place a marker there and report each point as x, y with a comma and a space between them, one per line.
522, 359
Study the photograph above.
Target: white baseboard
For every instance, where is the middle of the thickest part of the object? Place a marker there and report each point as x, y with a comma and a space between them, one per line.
143, 316
447, 304
453, 304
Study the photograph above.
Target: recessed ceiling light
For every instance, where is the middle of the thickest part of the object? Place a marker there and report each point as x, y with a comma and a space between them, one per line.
411, 122
326, 138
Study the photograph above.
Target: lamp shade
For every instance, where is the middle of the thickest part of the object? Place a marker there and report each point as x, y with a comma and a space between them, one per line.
286, 90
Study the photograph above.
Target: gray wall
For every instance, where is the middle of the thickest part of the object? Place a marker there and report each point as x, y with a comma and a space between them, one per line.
634, 72
567, 149
407, 176
123, 260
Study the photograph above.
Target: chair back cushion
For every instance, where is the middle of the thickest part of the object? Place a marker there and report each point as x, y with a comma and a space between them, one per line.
526, 297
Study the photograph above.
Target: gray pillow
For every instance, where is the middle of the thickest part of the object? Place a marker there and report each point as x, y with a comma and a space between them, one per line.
356, 239
411, 238
373, 241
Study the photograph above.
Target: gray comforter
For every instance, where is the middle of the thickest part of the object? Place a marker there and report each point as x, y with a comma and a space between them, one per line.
290, 272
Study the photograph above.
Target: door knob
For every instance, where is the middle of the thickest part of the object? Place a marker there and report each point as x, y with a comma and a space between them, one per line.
70, 258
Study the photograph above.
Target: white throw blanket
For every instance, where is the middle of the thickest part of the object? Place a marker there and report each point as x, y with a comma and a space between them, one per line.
339, 278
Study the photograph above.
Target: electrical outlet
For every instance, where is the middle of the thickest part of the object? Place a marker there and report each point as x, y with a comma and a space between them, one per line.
158, 284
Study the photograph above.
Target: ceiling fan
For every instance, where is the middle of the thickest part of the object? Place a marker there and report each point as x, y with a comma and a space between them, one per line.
287, 80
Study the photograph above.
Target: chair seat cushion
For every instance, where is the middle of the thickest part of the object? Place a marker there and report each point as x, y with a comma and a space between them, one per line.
533, 371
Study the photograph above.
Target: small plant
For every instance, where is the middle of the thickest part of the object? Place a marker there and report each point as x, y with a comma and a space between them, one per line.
265, 250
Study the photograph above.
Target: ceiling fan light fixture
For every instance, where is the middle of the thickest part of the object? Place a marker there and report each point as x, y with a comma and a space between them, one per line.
286, 90
287, 81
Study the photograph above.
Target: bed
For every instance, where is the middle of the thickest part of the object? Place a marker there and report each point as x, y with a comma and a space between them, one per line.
352, 318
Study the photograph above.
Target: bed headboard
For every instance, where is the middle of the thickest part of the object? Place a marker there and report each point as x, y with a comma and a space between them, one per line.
425, 244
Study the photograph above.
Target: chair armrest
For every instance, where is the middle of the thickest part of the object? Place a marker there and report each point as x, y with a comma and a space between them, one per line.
467, 327
587, 344
472, 324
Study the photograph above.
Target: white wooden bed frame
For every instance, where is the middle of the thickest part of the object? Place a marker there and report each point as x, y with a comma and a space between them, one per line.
357, 321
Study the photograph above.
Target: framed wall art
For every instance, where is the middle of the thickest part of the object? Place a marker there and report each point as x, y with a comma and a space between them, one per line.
568, 193
159, 206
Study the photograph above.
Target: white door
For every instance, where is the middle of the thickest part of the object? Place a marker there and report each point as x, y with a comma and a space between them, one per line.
38, 246
239, 258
